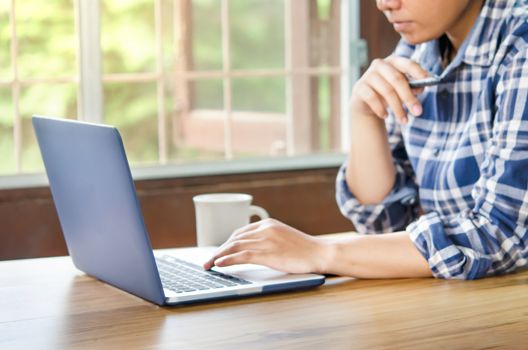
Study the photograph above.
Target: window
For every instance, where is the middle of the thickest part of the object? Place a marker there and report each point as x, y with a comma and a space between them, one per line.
183, 80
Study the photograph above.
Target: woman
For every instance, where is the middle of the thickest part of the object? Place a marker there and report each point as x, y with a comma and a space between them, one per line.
456, 152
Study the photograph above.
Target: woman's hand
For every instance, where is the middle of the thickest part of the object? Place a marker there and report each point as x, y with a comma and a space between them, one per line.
385, 85
273, 244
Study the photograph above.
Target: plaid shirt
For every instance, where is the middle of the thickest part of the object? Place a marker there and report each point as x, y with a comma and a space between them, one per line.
465, 160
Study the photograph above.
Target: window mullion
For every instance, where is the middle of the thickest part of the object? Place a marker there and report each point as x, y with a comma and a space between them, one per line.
90, 107
227, 88
160, 85
290, 147
298, 87
182, 33
350, 33
15, 90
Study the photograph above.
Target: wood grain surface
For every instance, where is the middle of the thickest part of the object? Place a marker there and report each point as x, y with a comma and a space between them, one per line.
47, 304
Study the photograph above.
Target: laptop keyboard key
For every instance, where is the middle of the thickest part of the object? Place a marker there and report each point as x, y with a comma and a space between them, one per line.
182, 277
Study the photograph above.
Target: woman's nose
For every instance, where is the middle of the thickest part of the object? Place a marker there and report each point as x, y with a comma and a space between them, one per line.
386, 5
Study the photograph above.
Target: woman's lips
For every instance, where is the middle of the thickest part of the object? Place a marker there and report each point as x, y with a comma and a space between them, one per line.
403, 26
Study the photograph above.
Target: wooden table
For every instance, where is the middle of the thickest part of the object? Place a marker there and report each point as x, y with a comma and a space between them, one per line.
48, 304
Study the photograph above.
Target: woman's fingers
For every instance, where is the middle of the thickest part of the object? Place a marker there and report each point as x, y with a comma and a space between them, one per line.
390, 95
249, 227
385, 85
408, 67
417, 91
397, 80
373, 100
238, 233
275, 245
242, 257
234, 246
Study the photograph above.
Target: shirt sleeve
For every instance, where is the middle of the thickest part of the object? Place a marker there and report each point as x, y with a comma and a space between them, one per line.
492, 237
399, 207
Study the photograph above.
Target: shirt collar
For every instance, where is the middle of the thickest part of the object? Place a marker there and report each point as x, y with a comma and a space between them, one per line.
480, 45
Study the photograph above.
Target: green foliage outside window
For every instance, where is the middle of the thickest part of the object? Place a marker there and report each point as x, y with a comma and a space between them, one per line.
48, 44
46, 49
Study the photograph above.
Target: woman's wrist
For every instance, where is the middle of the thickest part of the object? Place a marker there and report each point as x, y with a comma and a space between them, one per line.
391, 255
329, 254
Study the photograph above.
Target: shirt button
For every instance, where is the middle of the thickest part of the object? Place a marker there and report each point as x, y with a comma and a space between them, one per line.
444, 94
436, 151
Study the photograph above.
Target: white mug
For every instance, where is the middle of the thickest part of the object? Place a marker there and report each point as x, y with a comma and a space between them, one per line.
218, 215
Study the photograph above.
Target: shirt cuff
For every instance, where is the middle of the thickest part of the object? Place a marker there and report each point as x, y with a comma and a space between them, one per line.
390, 214
448, 254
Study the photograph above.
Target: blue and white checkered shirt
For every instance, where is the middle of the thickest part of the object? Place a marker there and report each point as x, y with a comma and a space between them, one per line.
465, 160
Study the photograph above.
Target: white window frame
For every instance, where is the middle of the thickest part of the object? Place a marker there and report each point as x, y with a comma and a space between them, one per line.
91, 79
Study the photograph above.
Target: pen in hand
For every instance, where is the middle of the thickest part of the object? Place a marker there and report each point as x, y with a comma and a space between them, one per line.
421, 83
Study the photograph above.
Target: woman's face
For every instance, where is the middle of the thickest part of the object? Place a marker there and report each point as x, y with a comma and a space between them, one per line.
418, 21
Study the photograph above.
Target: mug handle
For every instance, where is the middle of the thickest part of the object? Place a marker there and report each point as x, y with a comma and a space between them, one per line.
258, 211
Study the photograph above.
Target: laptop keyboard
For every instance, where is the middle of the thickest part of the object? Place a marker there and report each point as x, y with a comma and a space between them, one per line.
181, 276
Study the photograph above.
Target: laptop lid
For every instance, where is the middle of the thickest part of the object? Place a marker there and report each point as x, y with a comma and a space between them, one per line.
96, 202
101, 219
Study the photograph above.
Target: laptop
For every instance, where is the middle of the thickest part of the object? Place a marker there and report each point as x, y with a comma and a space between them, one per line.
103, 226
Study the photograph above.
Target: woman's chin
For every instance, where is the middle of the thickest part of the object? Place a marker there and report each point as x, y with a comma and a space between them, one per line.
414, 39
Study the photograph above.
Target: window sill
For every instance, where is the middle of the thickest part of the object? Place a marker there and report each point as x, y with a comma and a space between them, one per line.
198, 169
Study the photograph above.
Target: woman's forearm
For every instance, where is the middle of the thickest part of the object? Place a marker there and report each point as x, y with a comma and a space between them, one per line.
384, 86
390, 255
370, 171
